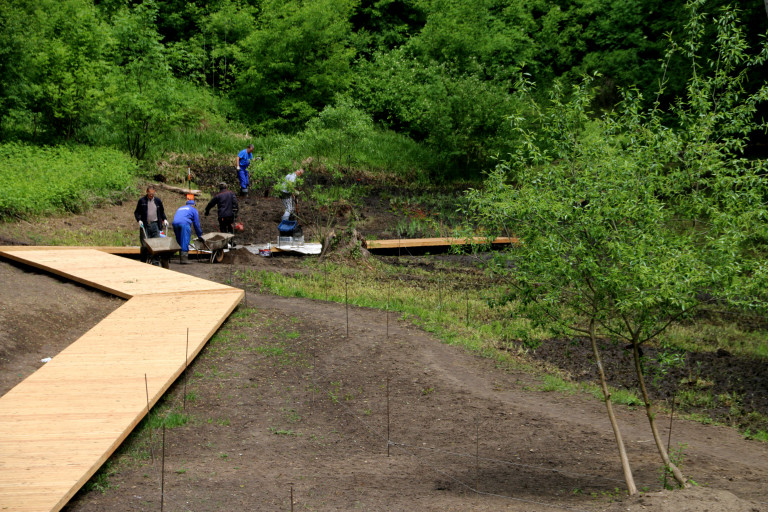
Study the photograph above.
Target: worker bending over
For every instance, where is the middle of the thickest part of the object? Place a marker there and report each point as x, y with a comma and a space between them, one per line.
226, 202
183, 220
288, 193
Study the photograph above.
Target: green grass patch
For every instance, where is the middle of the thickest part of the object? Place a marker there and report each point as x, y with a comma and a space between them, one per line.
555, 383
760, 435
87, 236
40, 180
458, 312
168, 419
709, 337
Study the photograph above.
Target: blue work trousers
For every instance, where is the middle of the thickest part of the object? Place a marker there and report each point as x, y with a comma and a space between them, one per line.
183, 234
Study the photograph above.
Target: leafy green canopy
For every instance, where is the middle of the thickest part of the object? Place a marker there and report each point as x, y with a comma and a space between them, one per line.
629, 219
295, 61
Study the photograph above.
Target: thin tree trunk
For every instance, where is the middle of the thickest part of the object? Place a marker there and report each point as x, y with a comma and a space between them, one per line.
631, 488
652, 420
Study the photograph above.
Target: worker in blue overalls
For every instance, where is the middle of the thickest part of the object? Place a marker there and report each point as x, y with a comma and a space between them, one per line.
183, 220
242, 162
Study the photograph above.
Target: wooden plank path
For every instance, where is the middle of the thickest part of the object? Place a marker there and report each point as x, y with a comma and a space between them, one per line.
435, 242
59, 425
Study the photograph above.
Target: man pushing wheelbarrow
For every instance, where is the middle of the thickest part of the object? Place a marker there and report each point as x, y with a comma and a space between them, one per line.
183, 220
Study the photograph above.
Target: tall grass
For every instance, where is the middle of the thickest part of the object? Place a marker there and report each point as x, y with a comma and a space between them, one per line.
709, 337
37, 180
456, 311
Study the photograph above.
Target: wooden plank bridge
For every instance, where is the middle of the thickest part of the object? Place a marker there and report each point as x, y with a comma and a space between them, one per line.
60, 424
436, 242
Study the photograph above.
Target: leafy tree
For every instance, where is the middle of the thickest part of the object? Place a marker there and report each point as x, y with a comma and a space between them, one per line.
492, 38
296, 60
462, 117
223, 36
338, 129
626, 220
15, 49
54, 59
383, 25
143, 98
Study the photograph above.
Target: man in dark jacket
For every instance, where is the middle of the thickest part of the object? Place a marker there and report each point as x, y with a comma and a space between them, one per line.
150, 215
226, 201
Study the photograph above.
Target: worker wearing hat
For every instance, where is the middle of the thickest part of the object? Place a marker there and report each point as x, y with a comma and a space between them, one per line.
183, 220
226, 202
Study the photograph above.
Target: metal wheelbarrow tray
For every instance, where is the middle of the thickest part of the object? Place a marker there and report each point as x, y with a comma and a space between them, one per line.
162, 247
215, 243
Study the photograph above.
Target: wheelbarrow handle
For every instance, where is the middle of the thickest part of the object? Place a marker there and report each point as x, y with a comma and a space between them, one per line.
205, 244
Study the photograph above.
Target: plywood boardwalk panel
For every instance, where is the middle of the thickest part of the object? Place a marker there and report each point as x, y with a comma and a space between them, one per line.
435, 242
59, 425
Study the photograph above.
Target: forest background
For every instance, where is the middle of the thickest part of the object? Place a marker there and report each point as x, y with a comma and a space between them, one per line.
431, 82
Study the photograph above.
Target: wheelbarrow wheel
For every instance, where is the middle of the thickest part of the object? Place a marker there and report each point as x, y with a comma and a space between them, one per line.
218, 256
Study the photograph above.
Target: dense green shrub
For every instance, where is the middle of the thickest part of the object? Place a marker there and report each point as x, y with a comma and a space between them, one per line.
42, 180
460, 116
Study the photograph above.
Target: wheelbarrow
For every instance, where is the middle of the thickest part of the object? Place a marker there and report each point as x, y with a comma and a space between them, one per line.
162, 248
215, 243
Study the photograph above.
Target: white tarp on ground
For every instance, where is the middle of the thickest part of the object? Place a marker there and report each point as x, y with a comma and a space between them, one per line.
301, 249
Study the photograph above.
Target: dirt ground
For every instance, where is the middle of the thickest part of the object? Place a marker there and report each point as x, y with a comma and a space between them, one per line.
285, 402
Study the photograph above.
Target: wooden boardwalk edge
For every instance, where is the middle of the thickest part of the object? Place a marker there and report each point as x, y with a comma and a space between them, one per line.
59, 425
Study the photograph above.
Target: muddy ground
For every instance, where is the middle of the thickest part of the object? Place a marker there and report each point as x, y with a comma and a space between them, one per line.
284, 401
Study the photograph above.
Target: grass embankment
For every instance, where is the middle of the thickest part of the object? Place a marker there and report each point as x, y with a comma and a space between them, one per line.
457, 304
39, 180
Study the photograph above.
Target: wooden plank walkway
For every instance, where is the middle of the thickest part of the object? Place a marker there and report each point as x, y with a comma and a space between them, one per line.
59, 425
435, 242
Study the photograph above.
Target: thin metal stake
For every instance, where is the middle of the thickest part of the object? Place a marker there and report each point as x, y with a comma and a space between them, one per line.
314, 383
291, 496
186, 364
346, 302
467, 295
162, 472
388, 441
669, 438
389, 288
440, 294
149, 420
245, 289
325, 275
477, 456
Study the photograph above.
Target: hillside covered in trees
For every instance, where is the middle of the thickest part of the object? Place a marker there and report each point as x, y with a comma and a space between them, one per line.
130, 75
